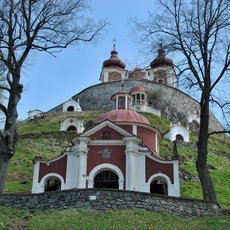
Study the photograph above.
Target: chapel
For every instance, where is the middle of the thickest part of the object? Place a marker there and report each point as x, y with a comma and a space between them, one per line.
120, 149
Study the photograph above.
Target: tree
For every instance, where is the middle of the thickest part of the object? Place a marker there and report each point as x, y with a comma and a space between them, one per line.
27, 26
196, 30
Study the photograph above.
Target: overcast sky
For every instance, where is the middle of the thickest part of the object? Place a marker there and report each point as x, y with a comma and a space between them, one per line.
49, 81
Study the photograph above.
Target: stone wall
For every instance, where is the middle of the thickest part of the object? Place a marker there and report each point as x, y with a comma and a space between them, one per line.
175, 105
102, 200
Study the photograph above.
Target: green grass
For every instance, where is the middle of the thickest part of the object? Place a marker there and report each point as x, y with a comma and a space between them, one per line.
43, 138
51, 122
218, 158
122, 219
158, 122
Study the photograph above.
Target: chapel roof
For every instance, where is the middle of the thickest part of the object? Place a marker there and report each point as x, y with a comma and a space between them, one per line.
114, 61
161, 60
123, 115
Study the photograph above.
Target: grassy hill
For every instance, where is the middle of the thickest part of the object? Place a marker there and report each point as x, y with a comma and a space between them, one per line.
122, 219
42, 137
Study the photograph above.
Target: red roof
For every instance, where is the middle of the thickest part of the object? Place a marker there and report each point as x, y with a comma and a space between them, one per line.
161, 60
114, 61
123, 115
138, 88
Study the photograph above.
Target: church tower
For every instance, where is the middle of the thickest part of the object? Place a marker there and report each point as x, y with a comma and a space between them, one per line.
162, 70
113, 69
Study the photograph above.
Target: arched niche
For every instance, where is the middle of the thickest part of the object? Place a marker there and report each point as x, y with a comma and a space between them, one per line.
52, 183
72, 128
70, 109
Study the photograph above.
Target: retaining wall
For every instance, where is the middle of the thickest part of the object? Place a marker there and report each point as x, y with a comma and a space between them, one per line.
177, 104
100, 199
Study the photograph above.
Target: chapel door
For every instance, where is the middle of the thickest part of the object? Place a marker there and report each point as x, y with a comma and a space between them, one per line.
106, 179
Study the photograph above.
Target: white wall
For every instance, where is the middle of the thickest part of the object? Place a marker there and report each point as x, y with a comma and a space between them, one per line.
72, 121
71, 102
178, 129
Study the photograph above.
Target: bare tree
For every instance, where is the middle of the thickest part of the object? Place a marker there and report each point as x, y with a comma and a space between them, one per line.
197, 31
34, 25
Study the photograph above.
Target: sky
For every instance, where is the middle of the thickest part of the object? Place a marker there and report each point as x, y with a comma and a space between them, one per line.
49, 81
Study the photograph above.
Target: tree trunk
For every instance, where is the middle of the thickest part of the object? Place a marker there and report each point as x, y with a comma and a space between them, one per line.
9, 136
4, 163
202, 145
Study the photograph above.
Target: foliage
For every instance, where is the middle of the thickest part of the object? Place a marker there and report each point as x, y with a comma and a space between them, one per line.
122, 219
51, 122
158, 122
218, 163
27, 26
48, 142
197, 32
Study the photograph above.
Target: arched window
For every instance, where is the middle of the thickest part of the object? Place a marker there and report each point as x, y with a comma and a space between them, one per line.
179, 137
158, 186
72, 128
142, 97
52, 184
70, 108
121, 102
106, 179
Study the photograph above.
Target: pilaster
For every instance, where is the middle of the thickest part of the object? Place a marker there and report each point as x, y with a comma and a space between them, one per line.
131, 153
82, 151
176, 178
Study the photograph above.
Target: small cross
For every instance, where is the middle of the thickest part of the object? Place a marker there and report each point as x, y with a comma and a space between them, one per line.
114, 43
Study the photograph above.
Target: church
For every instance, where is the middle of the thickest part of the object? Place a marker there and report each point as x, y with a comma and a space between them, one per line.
120, 149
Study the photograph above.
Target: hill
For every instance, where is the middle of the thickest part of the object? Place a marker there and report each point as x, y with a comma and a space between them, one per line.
122, 219
42, 137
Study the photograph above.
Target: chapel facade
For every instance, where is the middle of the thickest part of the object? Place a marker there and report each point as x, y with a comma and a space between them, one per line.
119, 151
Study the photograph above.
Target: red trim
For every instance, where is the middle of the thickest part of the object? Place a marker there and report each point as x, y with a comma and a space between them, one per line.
153, 167
58, 167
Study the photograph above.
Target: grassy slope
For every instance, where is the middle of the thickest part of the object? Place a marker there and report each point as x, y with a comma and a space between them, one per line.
123, 219
21, 166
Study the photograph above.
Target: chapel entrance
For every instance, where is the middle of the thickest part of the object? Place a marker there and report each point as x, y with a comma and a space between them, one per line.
72, 128
52, 184
159, 187
106, 179
179, 137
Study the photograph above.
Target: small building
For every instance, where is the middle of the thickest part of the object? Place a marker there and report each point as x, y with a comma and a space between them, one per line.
71, 106
178, 132
119, 151
72, 124
36, 113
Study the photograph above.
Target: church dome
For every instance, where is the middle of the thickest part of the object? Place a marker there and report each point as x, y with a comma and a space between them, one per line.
138, 88
114, 61
161, 60
124, 115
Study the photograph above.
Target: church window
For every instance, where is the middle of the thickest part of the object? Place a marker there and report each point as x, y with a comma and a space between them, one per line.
106, 179
70, 108
52, 184
121, 103
158, 187
114, 74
